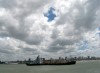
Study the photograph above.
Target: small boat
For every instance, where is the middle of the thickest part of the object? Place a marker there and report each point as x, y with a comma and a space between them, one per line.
38, 62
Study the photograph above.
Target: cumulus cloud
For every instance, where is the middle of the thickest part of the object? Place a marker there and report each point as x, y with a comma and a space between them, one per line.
32, 27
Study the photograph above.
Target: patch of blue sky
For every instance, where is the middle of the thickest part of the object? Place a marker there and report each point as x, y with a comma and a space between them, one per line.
83, 45
50, 14
99, 34
98, 29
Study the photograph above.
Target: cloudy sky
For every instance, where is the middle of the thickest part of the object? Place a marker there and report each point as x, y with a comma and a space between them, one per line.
49, 28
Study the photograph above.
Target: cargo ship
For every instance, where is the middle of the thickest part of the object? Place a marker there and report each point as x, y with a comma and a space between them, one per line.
42, 61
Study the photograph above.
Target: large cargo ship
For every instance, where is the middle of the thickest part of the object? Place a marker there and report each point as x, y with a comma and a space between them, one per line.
42, 61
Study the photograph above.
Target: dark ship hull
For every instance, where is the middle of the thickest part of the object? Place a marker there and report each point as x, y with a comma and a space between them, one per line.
67, 63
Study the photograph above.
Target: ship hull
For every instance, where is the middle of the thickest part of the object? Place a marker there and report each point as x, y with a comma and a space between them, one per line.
68, 63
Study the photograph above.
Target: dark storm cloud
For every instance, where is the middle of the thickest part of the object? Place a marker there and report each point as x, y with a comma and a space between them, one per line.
87, 15
7, 3
4, 34
55, 33
55, 48
84, 18
11, 27
35, 39
29, 51
60, 44
6, 49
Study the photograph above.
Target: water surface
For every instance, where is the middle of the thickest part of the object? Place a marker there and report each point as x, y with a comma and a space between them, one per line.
80, 67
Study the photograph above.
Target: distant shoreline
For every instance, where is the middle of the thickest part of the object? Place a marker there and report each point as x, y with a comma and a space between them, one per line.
87, 60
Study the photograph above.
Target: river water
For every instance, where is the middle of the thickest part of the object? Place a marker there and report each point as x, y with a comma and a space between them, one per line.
79, 67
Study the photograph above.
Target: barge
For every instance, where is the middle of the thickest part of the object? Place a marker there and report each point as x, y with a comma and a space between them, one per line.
41, 61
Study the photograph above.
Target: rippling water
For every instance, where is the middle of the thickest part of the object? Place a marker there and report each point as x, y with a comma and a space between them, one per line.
80, 67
